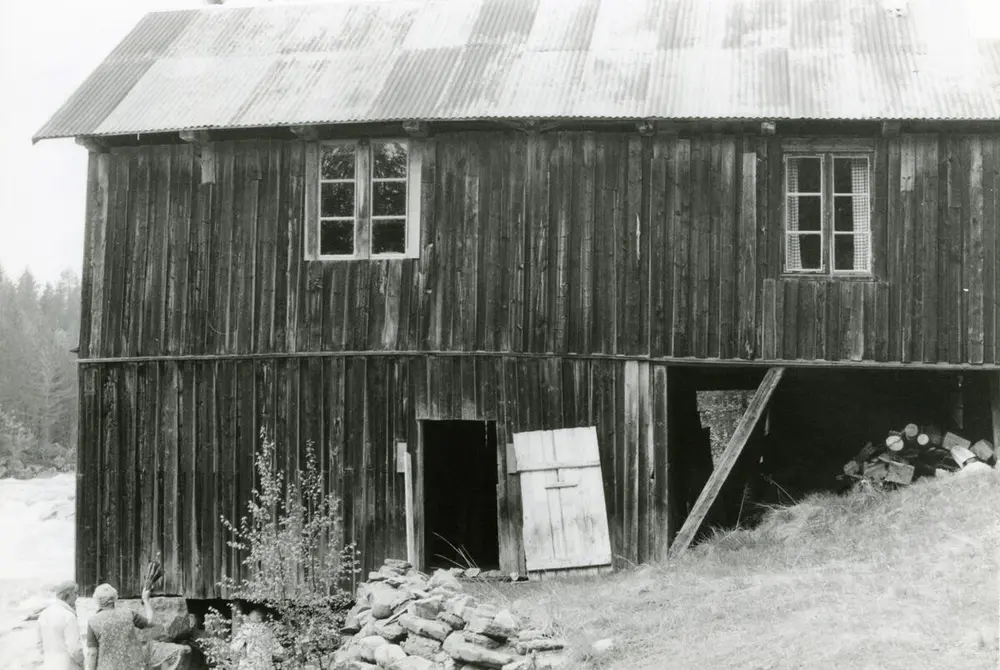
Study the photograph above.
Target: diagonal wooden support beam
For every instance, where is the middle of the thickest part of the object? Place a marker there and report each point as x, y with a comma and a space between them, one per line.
721, 472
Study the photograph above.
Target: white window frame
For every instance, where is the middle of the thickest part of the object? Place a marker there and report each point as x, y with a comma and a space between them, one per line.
827, 232
359, 195
789, 194
364, 180
869, 164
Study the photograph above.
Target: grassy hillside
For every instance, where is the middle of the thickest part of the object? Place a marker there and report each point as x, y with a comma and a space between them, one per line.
903, 580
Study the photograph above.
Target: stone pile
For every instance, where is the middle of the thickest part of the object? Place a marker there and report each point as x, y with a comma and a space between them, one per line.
406, 620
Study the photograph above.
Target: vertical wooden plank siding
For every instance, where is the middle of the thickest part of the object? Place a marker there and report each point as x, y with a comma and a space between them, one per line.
88, 498
110, 474
991, 294
957, 191
771, 320
194, 426
974, 254
559, 256
893, 251
700, 252
746, 257
93, 225
661, 518
728, 259
994, 384
546, 243
907, 272
585, 282
927, 257
660, 248
680, 225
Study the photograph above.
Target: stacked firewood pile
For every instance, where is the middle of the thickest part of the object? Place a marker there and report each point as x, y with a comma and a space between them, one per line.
406, 620
914, 452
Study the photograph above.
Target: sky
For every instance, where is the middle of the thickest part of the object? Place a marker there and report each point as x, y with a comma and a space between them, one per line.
46, 50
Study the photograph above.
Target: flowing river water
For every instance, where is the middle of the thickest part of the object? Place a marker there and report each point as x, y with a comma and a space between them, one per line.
36, 552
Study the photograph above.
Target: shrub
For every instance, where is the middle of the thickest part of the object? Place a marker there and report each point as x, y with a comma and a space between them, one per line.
294, 565
721, 411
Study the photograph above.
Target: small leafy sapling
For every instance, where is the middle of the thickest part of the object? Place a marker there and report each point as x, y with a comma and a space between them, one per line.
294, 564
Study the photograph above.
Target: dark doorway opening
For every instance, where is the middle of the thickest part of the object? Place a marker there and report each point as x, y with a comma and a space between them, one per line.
460, 494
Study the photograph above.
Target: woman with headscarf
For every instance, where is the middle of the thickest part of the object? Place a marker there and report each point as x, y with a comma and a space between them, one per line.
58, 634
112, 640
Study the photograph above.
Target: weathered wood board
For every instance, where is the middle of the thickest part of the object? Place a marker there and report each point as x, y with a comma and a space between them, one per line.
725, 465
358, 410
562, 495
565, 242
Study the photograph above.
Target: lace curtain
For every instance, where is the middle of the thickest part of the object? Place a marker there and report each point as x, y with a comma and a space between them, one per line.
804, 219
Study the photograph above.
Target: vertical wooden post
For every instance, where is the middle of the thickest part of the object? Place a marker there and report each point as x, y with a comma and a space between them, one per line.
663, 514
404, 465
995, 407
418, 513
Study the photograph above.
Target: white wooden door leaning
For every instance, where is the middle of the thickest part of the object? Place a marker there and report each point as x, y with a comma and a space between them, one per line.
562, 495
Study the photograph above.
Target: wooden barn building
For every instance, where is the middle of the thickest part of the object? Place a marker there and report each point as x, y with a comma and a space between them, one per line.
419, 232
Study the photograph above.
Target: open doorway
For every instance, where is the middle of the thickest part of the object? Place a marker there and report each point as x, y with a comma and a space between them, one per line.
460, 494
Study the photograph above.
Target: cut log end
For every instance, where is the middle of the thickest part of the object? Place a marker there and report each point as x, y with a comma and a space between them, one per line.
912, 453
934, 434
962, 455
983, 450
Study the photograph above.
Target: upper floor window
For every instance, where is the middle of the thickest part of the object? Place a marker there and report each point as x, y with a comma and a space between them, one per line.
365, 200
828, 214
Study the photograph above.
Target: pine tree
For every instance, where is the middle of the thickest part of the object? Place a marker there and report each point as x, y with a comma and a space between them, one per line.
39, 325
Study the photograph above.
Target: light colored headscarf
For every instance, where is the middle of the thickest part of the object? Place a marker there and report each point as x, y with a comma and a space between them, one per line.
64, 590
105, 595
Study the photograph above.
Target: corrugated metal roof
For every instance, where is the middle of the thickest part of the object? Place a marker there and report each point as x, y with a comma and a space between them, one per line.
344, 62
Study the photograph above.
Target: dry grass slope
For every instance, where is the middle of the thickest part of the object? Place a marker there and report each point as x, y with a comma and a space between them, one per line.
904, 580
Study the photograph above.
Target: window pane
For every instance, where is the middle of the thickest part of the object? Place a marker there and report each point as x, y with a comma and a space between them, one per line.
803, 252
843, 252
389, 159
843, 213
812, 255
337, 162
804, 213
852, 253
337, 199
389, 237
336, 238
804, 175
850, 175
389, 198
